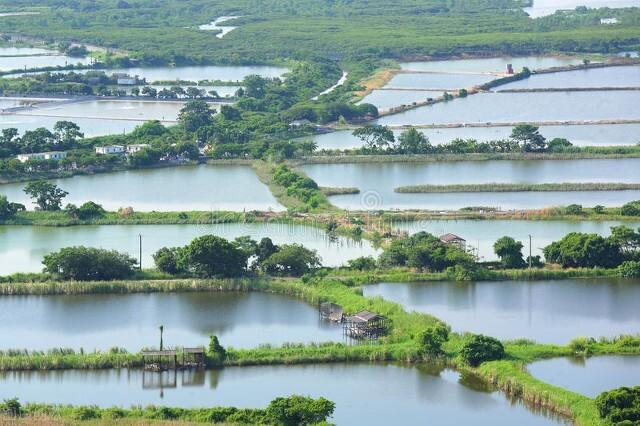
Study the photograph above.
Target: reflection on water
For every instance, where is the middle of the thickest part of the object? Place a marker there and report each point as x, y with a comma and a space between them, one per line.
482, 234
394, 394
579, 135
496, 65
23, 247
626, 76
210, 187
131, 321
524, 107
381, 179
545, 311
589, 376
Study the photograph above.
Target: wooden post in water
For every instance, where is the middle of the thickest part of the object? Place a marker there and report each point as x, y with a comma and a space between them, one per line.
161, 331
140, 254
530, 259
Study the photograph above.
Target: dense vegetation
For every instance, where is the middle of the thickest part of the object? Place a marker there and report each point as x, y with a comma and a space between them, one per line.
524, 138
166, 31
212, 256
282, 411
620, 407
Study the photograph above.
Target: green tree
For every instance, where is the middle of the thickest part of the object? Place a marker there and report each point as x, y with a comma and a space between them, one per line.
9, 209
299, 410
88, 263
195, 115
481, 349
578, 249
47, 196
510, 252
212, 256
145, 157
291, 259
167, 260
90, 210
631, 209
11, 407
255, 86
265, 248
67, 134
431, 340
529, 138
412, 141
362, 263
375, 138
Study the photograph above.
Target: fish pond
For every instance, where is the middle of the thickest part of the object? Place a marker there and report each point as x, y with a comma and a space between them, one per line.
545, 311
395, 394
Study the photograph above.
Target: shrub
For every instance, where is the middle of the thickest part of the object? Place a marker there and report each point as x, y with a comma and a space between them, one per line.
629, 269
581, 345
573, 209
11, 407
362, 263
299, 410
432, 339
481, 349
88, 263
216, 353
620, 406
166, 260
631, 209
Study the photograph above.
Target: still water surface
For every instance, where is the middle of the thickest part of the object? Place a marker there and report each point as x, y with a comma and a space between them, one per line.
627, 76
482, 234
589, 376
205, 187
131, 321
518, 107
545, 311
497, 65
395, 394
377, 182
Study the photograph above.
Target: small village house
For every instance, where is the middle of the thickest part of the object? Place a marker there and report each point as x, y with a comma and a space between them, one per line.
454, 239
110, 149
51, 155
132, 149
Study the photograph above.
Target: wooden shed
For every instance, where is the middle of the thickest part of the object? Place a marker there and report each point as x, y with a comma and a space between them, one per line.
193, 357
365, 325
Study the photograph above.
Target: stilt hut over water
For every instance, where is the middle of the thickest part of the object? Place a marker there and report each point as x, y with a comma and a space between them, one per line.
331, 312
159, 360
193, 357
365, 325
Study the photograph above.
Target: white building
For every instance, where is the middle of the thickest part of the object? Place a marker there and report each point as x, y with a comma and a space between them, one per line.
52, 155
132, 149
608, 21
110, 149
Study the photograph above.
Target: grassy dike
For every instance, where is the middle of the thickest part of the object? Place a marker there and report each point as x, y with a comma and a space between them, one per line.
516, 187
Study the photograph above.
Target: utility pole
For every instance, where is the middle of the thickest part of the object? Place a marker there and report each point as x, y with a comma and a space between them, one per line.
140, 250
530, 259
